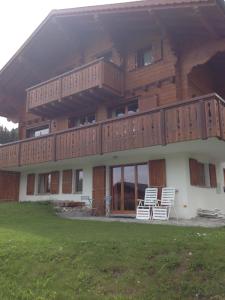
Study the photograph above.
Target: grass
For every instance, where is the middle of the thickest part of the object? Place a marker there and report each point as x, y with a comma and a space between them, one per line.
44, 257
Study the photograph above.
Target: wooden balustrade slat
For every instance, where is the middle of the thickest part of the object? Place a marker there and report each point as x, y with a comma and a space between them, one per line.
93, 75
190, 120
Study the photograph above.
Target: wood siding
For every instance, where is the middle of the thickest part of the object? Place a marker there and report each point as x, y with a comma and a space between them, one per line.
9, 186
54, 182
97, 74
157, 173
99, 187
67, 181
198, 118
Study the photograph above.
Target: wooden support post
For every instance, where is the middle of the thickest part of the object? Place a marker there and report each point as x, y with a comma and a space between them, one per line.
163, 127
54, 148
203, 120
100, 140
19, 154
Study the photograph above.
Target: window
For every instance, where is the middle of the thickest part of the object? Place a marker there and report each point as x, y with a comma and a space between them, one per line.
202, 175
120, 112
132, 107
37, 131
145, 57
106, 55
79, 176
81, 121
128, 183
44, 183
123, 110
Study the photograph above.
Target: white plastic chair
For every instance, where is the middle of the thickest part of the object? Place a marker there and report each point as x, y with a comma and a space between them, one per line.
162, 212
144, 208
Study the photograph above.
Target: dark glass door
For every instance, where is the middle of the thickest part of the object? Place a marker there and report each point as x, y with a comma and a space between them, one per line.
116, 188
128, 185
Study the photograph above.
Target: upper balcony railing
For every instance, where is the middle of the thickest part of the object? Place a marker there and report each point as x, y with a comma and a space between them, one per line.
197, 118
99, 77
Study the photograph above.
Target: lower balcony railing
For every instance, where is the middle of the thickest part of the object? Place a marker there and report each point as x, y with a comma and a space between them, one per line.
197, 118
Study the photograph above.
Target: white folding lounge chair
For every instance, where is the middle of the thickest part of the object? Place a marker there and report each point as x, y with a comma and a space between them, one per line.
144, 208
162, 212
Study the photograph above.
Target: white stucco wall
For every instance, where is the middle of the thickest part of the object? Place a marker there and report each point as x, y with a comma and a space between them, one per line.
207, 198
87, 186
188, 198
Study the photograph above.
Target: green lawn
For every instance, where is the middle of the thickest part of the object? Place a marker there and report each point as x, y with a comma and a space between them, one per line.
45, 257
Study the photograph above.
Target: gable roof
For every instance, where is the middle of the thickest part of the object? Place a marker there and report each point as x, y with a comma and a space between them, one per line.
10, 70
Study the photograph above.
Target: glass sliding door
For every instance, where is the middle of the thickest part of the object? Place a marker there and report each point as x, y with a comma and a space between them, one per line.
116, 188
142, 180
128, 185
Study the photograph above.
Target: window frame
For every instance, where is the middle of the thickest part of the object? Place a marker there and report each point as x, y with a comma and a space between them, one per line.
141, 57
49, 179
77, 190
112, 111
76, 121
35, 129
200, 174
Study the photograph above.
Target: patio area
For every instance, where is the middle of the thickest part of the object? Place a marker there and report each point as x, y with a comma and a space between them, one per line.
195, 222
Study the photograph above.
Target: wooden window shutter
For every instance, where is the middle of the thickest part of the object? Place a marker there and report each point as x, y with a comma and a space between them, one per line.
212, 175
30, 184
55, 182
157, 173
194, 170
99, 189
67, 181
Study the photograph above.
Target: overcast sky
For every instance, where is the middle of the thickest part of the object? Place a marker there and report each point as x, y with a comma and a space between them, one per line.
18, 19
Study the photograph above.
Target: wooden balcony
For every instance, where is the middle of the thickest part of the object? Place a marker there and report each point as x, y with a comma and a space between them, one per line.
85, 85
198, 118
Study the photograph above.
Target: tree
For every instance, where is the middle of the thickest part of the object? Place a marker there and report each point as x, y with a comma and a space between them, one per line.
7, 136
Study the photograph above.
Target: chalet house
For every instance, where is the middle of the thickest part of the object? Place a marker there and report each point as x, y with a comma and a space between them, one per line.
112, 99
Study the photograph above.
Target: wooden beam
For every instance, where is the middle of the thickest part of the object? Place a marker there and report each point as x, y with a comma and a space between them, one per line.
156, 19
205, 23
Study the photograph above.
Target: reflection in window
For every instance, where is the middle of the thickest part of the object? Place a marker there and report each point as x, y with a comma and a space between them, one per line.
37, 131
116, 188
123, 110
120, 112
81, 121
143, 180
145, 57
44, 183
79, 177
132, 107
129, 187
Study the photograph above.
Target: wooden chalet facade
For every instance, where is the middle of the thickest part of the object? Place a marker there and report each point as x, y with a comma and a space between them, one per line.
111, 99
